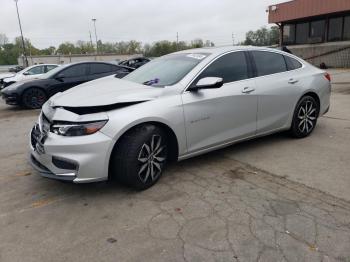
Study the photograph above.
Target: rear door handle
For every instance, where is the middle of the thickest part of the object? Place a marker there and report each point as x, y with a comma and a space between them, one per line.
248, 90
293, 81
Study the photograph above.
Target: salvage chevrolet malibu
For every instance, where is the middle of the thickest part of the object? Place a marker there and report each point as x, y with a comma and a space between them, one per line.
175, 107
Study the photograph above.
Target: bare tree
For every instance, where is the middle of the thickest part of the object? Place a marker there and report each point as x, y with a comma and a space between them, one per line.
3, 39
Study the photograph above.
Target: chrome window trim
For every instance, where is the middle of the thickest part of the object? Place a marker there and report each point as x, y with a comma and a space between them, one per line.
256, 77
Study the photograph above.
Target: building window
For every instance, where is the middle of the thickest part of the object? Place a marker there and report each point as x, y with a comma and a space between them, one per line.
302, 34
317, 30
346, 28
288, 34
335, 29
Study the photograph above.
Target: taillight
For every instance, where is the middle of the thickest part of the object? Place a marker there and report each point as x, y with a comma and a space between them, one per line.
328, 77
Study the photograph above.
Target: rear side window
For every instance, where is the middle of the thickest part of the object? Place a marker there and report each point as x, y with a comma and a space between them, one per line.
292, 64
231, 67
50, 67
268, 63
75, 71
36, 70
100, 68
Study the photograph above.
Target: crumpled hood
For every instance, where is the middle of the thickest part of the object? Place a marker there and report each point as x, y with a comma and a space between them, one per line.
105, 91
6, 75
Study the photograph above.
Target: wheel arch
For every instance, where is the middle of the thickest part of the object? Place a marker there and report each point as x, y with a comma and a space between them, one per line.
173, 140
315, 96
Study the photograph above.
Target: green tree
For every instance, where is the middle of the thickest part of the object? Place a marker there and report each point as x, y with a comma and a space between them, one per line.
263, 37
67, 48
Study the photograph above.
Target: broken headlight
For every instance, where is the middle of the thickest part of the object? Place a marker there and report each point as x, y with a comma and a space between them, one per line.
77, 129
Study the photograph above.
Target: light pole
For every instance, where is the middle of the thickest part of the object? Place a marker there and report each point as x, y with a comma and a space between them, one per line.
23, 44
94, 20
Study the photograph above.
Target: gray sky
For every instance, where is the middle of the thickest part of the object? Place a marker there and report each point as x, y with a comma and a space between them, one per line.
50, 22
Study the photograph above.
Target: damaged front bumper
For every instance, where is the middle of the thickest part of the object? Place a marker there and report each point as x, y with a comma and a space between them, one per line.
81, 159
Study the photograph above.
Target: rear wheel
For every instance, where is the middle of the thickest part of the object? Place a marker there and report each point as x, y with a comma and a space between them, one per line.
140, 157
33, 98
305, 117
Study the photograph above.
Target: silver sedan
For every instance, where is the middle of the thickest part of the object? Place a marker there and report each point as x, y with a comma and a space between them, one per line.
175, 107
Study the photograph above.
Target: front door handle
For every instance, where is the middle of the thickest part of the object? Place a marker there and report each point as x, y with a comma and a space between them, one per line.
293, 81
248, 90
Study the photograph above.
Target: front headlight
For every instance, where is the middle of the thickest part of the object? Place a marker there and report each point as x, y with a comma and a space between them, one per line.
77, 129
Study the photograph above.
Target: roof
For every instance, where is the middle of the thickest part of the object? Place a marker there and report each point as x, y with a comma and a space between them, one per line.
221, 50
298, 9
215, 50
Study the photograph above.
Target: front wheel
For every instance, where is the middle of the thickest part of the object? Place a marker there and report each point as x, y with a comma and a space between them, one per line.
305, 117
139, 158
33, 98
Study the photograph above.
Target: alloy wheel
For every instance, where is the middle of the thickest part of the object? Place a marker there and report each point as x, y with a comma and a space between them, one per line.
307, 116
152, 157
34, 98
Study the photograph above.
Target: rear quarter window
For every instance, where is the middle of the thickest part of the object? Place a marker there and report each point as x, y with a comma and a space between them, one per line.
292, 64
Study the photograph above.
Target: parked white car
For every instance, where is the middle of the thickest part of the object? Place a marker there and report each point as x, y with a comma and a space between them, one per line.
175, 107
30, 72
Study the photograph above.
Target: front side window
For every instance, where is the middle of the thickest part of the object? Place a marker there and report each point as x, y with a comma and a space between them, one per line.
36, 70
167, 70
289, 34
335, 29
75, 71
268, 63
302, 34
231, 67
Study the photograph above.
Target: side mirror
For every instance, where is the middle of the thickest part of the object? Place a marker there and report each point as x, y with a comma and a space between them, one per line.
60, 77
26, 73
209, 83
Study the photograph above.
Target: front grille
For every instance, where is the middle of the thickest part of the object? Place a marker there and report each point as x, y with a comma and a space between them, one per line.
37, 139
45, 123
35, 135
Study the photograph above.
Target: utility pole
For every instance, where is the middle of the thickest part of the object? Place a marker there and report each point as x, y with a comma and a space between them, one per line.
94, 21
233, 39
177, 41
23, 44
91, 40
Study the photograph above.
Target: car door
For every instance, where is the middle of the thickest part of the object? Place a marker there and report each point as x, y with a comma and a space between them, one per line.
277, 88
217, 116
70, 77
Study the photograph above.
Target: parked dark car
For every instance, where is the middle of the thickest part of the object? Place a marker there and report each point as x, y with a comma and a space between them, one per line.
34, 93
135, 62
16, 69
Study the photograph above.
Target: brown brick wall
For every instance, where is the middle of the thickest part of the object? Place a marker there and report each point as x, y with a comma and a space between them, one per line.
298, 9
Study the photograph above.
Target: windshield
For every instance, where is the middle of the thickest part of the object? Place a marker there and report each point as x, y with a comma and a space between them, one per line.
167, 70
52, 72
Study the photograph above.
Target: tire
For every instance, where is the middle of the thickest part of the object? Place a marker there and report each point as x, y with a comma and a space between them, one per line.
140, 157
33, 98
305, 117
